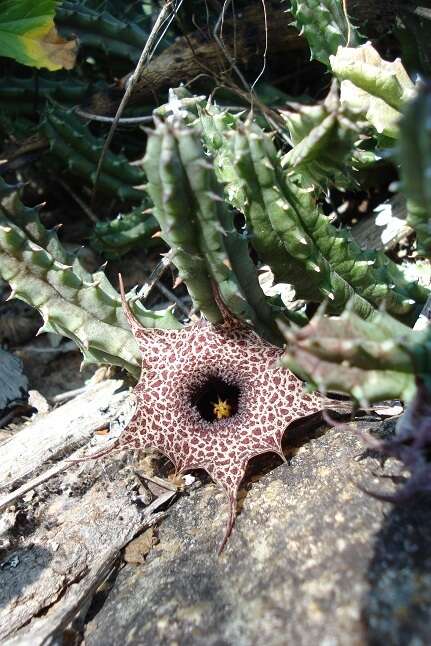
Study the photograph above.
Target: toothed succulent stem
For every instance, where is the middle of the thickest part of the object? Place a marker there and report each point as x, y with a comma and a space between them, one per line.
22, 95
285, 224
100, 30
199, 227
326, 142
74, 303
73, 146
368, 360
294, 237
373, 86
325, 25
114, 238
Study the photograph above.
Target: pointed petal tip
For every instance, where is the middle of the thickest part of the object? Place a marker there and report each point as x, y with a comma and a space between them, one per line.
230, 522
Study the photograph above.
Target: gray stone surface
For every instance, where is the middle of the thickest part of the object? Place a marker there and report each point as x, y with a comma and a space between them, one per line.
312, 561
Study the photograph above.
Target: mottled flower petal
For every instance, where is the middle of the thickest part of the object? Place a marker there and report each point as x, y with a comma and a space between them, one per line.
177, 368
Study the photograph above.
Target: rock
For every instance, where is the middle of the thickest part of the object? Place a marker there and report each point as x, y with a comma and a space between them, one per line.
137, 550
312, 560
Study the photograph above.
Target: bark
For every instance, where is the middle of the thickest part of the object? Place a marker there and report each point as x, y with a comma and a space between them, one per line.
62, 530
239, 41
53, 436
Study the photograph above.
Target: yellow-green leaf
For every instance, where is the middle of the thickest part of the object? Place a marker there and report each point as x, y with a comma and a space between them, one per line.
28, 34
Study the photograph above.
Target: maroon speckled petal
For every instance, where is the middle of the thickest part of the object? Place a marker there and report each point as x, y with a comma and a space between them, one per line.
176, 363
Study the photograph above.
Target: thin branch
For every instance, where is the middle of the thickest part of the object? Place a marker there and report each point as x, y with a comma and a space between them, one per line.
86, 209
156, 274
224, 50
124, 121
171, 296
143, 61
349, 29
265, 51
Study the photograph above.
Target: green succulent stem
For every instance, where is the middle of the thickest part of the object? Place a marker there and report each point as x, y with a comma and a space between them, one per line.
77, 304
368, 360
199, 227
73, 146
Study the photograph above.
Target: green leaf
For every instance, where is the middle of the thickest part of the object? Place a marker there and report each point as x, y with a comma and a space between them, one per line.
28, 34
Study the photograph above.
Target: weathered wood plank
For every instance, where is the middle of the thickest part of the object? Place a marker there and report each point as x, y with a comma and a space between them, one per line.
384, 229
75, 540
65, 526
50, 436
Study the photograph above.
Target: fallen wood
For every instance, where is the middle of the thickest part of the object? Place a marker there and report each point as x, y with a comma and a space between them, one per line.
62, 530
52, 436
383, 229
243, 39
9, 498
47, 630
55, 569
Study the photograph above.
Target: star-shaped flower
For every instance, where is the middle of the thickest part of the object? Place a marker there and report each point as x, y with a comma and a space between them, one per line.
186, 374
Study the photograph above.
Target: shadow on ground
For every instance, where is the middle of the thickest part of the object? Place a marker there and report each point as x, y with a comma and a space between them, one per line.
396, 608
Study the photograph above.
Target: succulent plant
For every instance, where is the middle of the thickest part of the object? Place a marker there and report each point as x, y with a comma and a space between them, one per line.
73, 146
101, 30
199, 227
368, 360
114, 238
331, 265
293, 236
326, 142
210, 397
414, 151
228, 197
373, 86
73, 302
25, 96
325, 24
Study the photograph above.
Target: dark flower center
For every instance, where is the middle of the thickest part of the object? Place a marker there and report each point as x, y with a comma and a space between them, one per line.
215, 399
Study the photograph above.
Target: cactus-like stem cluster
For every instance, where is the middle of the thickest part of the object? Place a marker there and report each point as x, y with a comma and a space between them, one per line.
368, 360
73, 302
199, 227
415, 159
325, 25
286, 226
291, 233
74, 147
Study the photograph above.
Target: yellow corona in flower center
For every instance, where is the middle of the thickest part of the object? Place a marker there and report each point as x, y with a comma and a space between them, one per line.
222, 408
